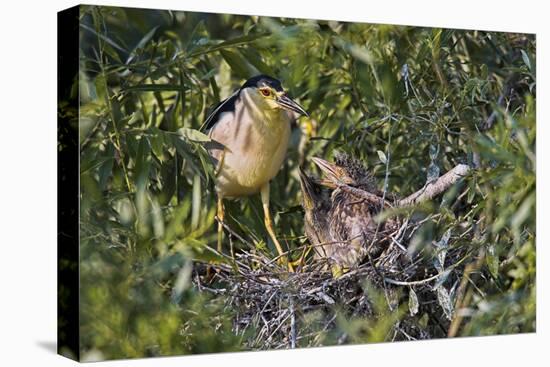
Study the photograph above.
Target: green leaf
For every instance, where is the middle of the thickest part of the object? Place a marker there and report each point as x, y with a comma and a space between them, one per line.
142, 162
207, 165
382, 156
109, 50
442, 246
193, 135
156, 88
243, 40
254, 57
157, 143
141, 44
413, 302
89, 165
237, 63
238, 41
197, 35
106, 168
105, 38
358, 52
492, 260
444, 300
183, 281
196, 207
526, 59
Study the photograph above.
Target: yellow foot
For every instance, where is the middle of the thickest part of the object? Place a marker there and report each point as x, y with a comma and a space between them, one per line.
300, 261
338, 271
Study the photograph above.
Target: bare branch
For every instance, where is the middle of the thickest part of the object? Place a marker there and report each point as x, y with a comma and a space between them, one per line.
435, 188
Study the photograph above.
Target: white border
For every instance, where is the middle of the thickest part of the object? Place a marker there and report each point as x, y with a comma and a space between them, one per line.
28, 182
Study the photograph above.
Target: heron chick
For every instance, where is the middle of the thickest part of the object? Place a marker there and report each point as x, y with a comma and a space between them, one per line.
249, 133
341, 224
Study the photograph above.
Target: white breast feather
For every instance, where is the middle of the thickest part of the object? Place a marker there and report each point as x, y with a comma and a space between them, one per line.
254, 152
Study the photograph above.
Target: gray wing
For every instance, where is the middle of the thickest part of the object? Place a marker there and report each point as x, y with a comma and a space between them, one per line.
226, 105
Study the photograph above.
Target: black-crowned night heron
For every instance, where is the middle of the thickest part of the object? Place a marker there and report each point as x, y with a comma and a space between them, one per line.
250, 132
340, 224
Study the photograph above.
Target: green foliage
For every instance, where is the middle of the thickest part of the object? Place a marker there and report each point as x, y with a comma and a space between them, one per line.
411, 102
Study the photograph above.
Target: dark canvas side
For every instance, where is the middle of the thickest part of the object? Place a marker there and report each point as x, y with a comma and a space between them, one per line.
67, 184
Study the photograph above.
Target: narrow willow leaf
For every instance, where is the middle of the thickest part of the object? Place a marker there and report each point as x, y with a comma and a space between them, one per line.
243, 40
523, 212
141, 44
183, 281
157, 143
142, 162
106, 168
196, 36
207, 165
254, 57
105, 38
444, 241
157, 219
382, 156
434, 151
413, 302
433, 172
238, 41
237, 63
88, 165
156, 88
360, 53
441, 279
193, 135
441, 247
196, 207
110, 50
526, 59
166, 265
445, 302
492, 260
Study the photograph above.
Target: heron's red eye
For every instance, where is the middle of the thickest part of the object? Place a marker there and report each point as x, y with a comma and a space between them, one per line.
265, 92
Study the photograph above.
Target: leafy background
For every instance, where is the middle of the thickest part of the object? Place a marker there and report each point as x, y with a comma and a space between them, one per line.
410, 102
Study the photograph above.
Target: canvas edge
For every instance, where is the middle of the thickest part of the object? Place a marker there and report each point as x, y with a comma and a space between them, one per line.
68, 333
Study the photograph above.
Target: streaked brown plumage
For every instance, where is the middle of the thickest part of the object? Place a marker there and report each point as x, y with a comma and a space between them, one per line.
316, 204
340, 222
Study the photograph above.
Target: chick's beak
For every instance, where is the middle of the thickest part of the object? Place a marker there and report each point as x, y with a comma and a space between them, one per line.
331, 170
285, 102
307, 190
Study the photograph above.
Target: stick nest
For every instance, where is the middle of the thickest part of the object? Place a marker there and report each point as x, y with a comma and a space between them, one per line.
274, 308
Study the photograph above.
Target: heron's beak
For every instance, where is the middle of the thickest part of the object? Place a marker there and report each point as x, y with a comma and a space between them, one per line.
308, 191
291, 105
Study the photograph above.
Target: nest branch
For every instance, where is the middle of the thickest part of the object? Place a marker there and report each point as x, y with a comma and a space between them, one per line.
436, 187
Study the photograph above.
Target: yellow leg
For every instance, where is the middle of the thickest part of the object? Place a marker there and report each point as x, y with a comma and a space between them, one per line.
221, 216
300, 261
337, 271
269, 226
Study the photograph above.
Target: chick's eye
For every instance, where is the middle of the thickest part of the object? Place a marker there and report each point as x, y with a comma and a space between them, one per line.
265, 92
